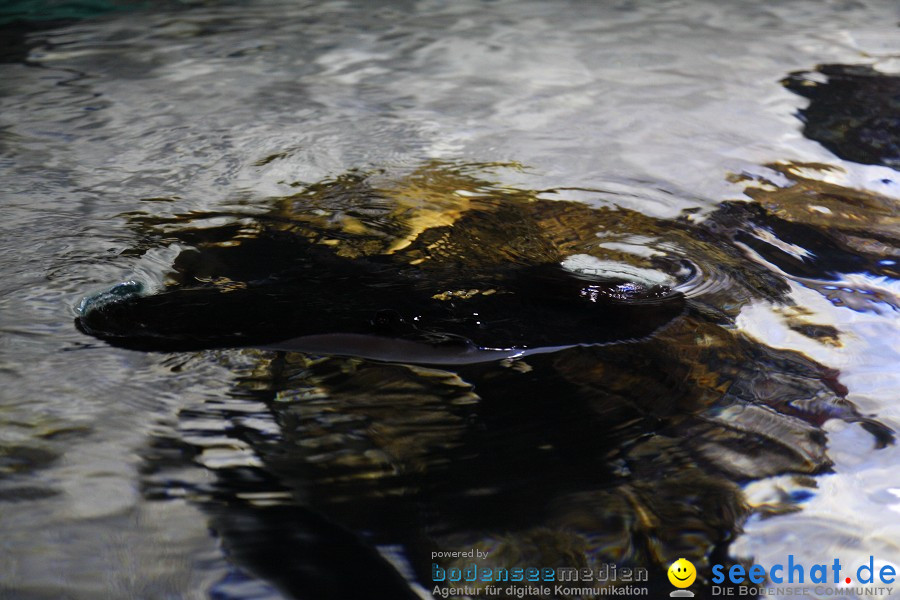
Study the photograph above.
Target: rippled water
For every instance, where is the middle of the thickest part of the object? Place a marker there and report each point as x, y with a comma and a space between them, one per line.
125, 133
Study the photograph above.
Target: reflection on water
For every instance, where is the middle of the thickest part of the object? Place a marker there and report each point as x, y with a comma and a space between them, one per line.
733, 403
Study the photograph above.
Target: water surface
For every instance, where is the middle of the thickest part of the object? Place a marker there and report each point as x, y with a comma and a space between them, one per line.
128, 474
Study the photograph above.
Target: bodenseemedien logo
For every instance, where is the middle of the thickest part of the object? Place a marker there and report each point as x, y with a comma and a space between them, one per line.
682, 574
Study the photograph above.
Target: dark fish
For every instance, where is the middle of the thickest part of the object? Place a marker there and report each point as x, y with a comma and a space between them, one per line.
376, 307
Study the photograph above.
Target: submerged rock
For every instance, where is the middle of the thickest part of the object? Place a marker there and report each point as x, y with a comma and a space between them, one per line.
855, 112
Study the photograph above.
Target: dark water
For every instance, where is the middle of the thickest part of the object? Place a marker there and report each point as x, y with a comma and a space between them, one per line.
559, 283
627, 447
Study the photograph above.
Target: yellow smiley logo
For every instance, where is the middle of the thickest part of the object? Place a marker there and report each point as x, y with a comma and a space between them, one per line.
682, 573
